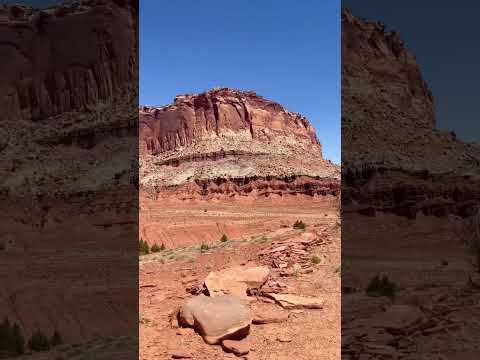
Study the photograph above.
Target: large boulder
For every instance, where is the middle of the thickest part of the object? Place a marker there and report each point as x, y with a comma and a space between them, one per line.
217, 318
236, 280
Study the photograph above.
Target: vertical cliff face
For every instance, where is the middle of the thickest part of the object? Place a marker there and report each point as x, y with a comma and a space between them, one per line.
393, 157
69, 79
220, 113
388, 112
65, 58
378, 69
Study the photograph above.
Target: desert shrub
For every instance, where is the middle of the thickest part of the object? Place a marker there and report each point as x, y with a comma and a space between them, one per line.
144, 249
56, 339
12, 341
204, 247
155, 248
296, 270
224, 238
381, 286
39, 341
299, 224
316, 259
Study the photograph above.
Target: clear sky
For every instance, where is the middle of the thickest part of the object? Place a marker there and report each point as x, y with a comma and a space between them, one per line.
285, 50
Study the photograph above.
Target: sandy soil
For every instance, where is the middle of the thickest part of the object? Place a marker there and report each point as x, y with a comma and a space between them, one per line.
166, 276
427, 261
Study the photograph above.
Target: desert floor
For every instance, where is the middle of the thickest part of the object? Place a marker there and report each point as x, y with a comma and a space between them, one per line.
168, 278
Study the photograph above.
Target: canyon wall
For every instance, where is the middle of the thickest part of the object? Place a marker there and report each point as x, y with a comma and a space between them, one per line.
68, 175
394, 159
214, 143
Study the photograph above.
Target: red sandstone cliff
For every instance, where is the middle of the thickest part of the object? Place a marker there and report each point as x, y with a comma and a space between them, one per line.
234, 138
68, 126
69, 82
393, 157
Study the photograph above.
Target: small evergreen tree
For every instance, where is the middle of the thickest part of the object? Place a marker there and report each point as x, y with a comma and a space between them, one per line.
18, 340
224, 238
155, 248
299, 224
39, 341
5, 335
144, 249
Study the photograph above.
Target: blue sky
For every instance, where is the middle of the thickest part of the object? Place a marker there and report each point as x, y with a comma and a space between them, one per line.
285, 50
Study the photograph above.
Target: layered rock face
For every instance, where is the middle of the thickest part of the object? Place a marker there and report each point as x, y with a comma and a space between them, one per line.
393, 157
68, 146
69, 80
229, 141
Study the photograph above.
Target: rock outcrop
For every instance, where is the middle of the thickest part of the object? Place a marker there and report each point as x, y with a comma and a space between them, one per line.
68, 100
217, 318
225, 142
393, 157
69, 84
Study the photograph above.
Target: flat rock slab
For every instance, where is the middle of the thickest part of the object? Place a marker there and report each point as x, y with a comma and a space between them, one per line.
269, 314
238, 348
236, 280
289, 301
218, 318
397, 317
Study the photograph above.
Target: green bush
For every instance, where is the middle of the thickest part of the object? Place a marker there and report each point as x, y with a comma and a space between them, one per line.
299, 224
12, 341
204, 247
39, 341
155, 248
316, 259
381, 287
224, 238
144, 249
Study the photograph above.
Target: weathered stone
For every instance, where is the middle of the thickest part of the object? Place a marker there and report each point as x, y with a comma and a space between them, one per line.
289, 301
236, 280
180, 354
264, 314
217, 318
398, 317
237, 347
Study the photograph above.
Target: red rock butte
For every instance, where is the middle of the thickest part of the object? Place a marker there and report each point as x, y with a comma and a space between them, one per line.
230, 142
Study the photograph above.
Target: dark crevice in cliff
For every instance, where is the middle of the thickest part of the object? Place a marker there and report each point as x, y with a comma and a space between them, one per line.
216, 115
248, 119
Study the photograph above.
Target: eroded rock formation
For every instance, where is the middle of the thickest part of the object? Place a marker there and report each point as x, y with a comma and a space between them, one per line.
393, 157
229, 142
68, 129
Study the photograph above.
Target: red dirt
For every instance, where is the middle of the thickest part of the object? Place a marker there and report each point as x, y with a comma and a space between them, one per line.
253, 227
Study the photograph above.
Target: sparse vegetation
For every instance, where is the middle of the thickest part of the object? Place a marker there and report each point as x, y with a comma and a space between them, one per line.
155, 248
300, 225
12, 342
144, 249
39, 341
316, 259
224, 238
296, 270
381, 286
204, 247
